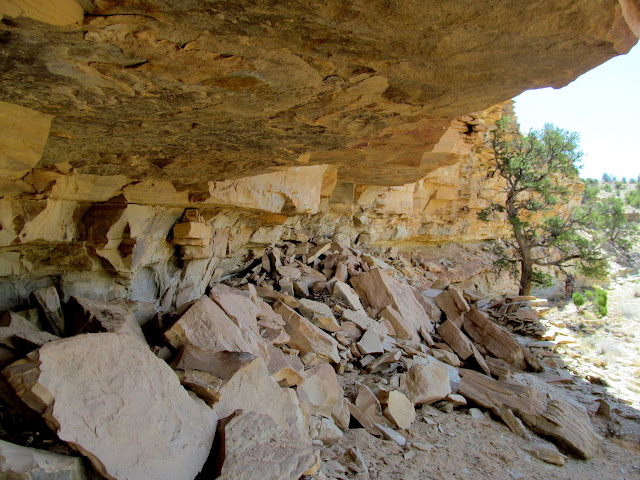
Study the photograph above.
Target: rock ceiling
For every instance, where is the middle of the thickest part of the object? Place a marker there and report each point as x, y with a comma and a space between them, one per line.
195, 91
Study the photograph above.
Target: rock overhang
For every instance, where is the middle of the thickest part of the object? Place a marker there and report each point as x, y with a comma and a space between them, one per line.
195, 92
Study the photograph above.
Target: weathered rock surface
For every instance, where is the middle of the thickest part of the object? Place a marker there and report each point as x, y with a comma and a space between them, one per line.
114, 401
207, 326
426, 383
22, 463
251, 388
381, 290
567, 423
306, 336
320, 390
255, 447
93, 316
495, 339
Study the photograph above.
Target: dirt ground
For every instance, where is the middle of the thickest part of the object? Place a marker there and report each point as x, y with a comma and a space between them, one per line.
459, 446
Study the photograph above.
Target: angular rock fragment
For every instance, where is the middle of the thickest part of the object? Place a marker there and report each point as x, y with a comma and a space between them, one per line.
495, 339
458, 297
204, 384
255, 447
555, 417
237, 304
49, 303
369, 405
320, 390
23, 463
398, 409
17, 332
448, 305
363, 321
426, 383
95, 316
547, 453
221, 364
457, 340
325, 430
370, 343
320, 314
112, 399
285, 369
382, 290
344, 293
391, 434
446, 357
363, 419
432, 310
251, 388
305, 336
400, 326
205, 325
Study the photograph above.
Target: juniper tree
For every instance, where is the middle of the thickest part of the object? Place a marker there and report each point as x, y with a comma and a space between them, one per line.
539, 173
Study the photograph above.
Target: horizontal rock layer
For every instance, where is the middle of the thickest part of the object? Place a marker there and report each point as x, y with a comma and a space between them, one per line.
360, 121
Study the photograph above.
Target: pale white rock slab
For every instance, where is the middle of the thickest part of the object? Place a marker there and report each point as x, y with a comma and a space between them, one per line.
113, 400
256, 447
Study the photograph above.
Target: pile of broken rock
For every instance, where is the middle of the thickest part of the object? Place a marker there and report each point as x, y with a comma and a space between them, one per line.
254, 379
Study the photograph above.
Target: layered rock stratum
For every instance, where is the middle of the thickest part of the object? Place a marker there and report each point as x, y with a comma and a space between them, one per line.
278, 121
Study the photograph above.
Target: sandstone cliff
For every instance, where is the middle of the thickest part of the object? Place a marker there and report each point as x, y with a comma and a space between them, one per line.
277, 121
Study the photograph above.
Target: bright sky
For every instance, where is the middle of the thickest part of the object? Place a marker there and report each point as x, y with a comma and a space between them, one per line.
603, 106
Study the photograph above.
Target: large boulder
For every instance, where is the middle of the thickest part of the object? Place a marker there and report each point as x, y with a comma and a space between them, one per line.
115, 402
207, 326
255, 447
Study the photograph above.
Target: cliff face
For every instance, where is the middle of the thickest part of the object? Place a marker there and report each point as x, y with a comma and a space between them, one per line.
276, 120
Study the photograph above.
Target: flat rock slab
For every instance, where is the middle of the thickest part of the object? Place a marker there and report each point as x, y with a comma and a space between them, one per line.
23, 463
251, 388
382, 290
565, 422
118, 404
207, 326
495, 339
255, 447
305, 336
457, 340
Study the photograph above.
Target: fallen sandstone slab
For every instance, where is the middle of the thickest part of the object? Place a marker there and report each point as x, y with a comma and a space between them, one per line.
551, 416
119, 405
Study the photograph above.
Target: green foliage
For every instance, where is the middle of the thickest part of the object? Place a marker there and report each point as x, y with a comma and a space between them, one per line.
633, 198
619, 185
601, 297
610, 222
607, 188
591, 191
540, 170
589, 295
542, 279
578, 299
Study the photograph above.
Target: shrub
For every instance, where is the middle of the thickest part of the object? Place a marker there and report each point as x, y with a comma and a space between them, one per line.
607, 188
578, 299
602, 311
601, 297
589, 295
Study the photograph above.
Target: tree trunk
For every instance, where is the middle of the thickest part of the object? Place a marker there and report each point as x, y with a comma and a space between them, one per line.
526, 276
